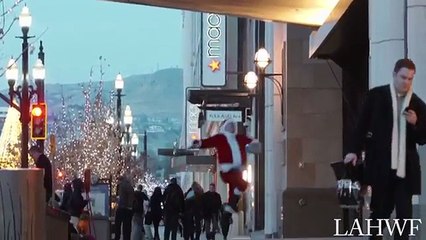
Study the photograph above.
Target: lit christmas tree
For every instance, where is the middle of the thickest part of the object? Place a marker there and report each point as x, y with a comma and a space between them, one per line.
149, 183
87, 139
10, 152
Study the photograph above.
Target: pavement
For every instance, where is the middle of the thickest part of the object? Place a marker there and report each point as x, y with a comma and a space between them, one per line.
260, 236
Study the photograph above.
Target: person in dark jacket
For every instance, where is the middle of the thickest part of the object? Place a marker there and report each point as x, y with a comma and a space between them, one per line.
156, 210
212, 204
391, 124
66, 197
192, 214
173, 208
225, 221
77, 203
43, 162
138, 213
124, 214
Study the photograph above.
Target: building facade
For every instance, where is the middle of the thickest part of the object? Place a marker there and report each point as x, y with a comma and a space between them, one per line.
337, 51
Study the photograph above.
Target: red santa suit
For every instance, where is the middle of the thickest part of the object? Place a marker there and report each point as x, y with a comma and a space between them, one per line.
232, 156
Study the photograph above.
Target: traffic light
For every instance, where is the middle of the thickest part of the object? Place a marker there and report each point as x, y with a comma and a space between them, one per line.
38, 121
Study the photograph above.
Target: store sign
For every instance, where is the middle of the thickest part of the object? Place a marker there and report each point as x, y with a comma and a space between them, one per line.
213, 50
193, 132
219, 116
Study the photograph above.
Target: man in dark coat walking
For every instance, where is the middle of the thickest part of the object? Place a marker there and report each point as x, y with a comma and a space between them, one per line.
212, 204
124, 214
173, 208
41, 161
391, 124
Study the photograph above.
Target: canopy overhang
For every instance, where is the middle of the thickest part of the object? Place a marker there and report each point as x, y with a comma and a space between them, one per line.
304, 12
343, 38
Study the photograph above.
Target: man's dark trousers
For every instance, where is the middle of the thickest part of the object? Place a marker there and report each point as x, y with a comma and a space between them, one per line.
395, 195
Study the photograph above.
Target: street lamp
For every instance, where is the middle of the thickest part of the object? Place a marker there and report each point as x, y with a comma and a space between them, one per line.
251, 79
135, 142
12, 74
128, 120
119, 85
262, 58
25, 92
39, 72
25, 19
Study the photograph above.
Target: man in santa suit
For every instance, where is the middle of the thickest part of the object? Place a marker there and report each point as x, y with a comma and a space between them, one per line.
231, 151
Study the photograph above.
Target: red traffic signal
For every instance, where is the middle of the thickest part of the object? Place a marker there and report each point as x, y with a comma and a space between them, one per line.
38, 121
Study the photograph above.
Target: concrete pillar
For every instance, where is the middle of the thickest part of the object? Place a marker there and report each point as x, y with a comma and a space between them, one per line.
416, 43
416, 36
275, 37
279, 56
313, 138
270, 194
386, 30
22, 204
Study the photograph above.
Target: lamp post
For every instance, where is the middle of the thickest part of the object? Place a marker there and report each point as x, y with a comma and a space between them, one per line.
145, 151
119, 85
263, 181
262, 60
128, 120
135, 142
39, 75
25, 92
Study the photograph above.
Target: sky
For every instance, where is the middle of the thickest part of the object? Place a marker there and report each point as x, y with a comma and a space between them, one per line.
132, 39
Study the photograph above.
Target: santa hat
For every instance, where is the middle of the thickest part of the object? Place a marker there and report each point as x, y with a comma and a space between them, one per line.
225, 123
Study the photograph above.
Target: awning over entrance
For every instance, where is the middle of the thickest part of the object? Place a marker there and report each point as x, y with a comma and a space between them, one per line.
344, 36
305, 12
231, 98
186, 160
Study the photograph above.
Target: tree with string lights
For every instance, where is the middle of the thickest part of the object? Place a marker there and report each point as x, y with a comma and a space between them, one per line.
86, 138
10, 143
10, 152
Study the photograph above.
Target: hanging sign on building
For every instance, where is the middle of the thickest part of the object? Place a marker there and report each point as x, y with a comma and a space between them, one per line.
219, 116
213, 54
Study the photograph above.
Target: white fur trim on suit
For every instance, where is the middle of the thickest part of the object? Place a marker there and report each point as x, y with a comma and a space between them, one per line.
235, 150
398, 146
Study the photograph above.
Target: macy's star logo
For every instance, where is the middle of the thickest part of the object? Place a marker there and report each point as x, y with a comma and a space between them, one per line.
214, 65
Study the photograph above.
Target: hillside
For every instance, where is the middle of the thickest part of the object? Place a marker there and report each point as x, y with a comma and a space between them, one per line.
156, 95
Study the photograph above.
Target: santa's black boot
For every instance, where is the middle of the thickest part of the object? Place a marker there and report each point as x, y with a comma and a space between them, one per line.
233, 202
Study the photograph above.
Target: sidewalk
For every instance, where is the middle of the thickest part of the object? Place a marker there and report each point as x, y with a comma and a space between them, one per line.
259, 235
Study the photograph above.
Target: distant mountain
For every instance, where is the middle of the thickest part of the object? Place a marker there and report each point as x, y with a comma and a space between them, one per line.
158, 95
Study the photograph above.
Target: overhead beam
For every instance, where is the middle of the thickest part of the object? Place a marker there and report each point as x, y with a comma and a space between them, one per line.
304, 12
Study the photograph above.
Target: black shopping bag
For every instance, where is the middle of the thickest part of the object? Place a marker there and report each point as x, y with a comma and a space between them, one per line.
349, 179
